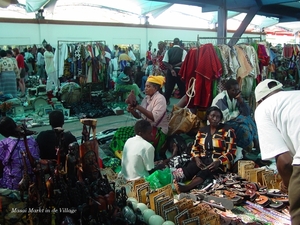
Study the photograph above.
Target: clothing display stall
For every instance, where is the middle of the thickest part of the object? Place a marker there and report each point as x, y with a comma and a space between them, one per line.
213, 64
86, 61
214, 40
285, 64
85, 79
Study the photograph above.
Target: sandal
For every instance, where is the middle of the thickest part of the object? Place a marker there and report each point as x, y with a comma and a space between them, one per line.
278, 205
252, 194
263, 200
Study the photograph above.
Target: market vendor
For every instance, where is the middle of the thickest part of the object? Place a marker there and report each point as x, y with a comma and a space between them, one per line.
138, 153
153, 108
48, 141
11, 156
236, 113
213, 152
125, 82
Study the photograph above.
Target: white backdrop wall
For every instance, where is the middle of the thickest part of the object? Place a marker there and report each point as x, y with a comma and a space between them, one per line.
34, 33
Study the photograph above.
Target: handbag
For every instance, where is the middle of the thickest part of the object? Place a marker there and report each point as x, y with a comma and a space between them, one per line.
182, 119
131, 99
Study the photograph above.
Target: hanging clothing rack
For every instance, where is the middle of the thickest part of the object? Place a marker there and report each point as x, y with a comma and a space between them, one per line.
81, 42
214, 40
60, 56
203, 64
187, 44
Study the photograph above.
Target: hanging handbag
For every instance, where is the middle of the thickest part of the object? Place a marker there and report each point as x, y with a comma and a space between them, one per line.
155, 131
182, 119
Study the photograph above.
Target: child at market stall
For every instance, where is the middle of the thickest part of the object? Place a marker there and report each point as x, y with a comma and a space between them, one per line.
138, 153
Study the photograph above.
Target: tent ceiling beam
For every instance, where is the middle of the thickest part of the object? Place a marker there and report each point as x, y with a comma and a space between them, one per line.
270, 8
239, 32
282, 11
157, 12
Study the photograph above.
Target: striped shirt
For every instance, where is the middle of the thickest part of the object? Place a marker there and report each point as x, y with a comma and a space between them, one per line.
219, 146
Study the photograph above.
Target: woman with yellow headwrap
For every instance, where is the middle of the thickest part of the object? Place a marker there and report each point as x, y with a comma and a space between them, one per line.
152, 108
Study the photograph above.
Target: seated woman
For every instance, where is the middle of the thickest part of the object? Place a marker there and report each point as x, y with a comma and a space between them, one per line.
11, 148
213, 152
125, 83
153, 108
138, 153
236, 114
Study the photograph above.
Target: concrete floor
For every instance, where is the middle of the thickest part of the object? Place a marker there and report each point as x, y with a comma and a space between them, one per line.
103, 123
108, 122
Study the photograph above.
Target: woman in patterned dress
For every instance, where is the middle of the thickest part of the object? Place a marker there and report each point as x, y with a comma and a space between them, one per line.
213, 152
11, 149
8, 74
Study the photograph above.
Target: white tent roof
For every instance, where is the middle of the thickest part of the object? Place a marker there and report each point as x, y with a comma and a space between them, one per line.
133, 11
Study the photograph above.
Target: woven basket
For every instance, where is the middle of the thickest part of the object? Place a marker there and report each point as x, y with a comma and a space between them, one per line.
243, 166
254, 175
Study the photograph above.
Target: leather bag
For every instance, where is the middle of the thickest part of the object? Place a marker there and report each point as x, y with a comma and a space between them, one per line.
182, 120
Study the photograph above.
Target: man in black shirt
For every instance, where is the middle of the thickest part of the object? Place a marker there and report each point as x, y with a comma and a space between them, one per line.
173, 60
48, 141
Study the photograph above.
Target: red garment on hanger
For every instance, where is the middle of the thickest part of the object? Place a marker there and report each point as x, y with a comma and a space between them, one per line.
263, 57
264, 60
203, 64
209, 65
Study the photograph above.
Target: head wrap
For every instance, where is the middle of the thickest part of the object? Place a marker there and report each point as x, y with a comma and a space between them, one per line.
156, 80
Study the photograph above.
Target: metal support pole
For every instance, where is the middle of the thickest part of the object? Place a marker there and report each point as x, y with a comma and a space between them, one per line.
239, 32
222, 22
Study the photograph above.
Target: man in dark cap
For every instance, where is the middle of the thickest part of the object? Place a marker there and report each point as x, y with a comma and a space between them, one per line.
173, 60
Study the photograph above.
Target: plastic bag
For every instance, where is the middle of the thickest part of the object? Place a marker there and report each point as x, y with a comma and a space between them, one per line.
159, 178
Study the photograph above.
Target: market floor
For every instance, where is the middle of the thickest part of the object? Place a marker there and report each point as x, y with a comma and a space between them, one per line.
103, 123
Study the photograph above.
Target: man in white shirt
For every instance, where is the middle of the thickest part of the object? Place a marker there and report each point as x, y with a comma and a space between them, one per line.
173, 59
278, 122
138, 152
